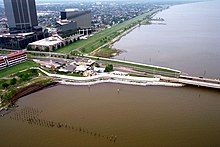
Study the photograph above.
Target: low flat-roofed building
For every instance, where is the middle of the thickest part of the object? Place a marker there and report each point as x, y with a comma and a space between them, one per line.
16, 58
47, 64
48, 44
81, 68
69, 68
20, 41
98, 69
12, 59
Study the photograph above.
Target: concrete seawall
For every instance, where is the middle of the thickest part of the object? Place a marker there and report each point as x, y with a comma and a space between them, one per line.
122, 82
108, 78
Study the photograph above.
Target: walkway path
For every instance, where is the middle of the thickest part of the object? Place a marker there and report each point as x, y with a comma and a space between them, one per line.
109, 78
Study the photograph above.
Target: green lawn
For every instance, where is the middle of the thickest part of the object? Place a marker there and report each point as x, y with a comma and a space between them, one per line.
102, 37
70, 74
16, 68
4, 52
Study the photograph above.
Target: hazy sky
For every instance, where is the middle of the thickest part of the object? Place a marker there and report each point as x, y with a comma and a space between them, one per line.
101, 0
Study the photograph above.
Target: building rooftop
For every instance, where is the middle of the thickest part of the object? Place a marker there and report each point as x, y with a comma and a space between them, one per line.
71, 10
18, 35
15, 54
53, 40
81, 68
69, 68
63, 22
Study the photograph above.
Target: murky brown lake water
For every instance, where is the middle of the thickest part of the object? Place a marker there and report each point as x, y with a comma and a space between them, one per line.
189, 41
138, 116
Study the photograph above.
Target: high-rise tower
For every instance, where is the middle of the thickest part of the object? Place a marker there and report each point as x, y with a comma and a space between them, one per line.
21, 14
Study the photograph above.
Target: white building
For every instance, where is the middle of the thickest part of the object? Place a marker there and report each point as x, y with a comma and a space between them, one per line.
81, 68
52, 43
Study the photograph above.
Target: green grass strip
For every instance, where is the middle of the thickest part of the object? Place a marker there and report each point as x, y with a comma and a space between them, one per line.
16, 68
100, 38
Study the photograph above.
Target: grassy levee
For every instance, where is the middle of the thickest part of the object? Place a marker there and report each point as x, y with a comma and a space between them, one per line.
149, 67
16, 68
102, 37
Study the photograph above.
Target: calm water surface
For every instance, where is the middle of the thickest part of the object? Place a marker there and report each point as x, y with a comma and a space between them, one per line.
190, 40
138, 116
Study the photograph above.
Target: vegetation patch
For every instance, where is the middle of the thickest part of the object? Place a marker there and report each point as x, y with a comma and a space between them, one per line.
107, 52
16, 68
5, 52
109, 68
20, 80
70, 74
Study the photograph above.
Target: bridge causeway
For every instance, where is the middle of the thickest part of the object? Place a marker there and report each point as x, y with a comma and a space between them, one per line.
195, 81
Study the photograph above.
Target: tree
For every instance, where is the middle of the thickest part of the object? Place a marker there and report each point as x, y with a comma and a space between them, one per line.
53, 48
13, 81
29, 48
34, 71
46, 49
62, 44
109, 68
5, 85
37, 49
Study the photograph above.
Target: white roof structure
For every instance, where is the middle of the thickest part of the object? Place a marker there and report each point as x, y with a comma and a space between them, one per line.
53, 40
71, 10
17, 35
81, 68
46, 63
63, 70
99, 69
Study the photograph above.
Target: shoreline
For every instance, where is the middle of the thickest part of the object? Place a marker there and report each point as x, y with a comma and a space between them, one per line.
24, 92
121, 82
119, 37
38, 87
84, 81
109, 78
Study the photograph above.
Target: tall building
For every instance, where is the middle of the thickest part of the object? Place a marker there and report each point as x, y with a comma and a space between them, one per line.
82, 18
21, 14
23, 24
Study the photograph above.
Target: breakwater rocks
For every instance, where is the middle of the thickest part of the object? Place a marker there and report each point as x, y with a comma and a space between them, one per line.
31, 116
